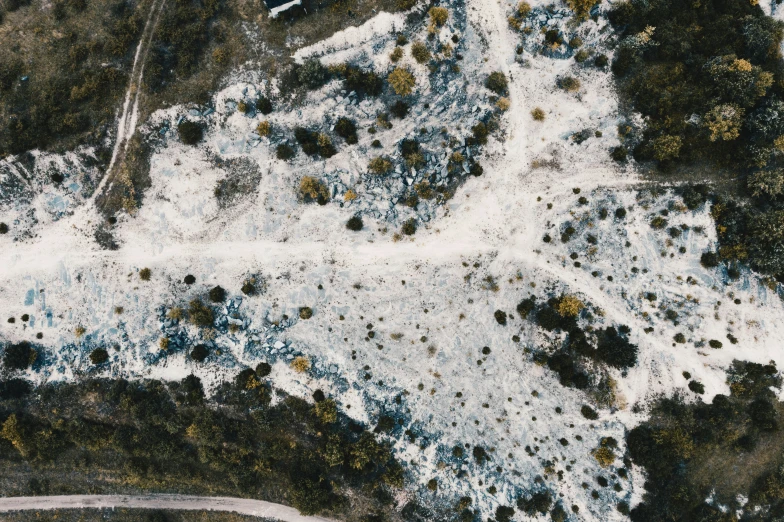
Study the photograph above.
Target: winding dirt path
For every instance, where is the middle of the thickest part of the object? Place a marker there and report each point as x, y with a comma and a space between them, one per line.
243, 506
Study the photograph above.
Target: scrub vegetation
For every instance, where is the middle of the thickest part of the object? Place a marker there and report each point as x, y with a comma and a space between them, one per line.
167, 436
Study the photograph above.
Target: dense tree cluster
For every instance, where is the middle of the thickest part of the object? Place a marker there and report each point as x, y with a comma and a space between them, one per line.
155, 435
687, 449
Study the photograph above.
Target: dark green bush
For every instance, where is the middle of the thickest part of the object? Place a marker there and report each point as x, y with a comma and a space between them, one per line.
354, 223
696, 387
312, 74
615, 349
263, 369
347, 130
709, 259
190, 132
19, 356
285, 152
726, 76
497, 83
538, 502
504, 514
217, 294
170, 436
199, 352
363, 82
399, 109
588, 412
500, 317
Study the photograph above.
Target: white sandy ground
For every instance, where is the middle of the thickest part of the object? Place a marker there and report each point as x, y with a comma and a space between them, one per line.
492, 227
255, 508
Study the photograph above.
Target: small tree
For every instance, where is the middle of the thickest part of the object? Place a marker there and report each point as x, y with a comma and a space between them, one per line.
305, 312
570, 306
420, 52
723, 122
144, 274
99, 356
354, 223
199, 353
379, 165
300, 364
402, 81
581, 8
217, 294
199, 314
767, 183
190, 132
312, 74
497, 82
327, 411
438, 16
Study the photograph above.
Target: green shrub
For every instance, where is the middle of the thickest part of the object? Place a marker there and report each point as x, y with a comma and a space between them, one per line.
588, 412
346, 129
264, 105
285, 152
144, 274
569, 84
420, 52
305, 312
312, 74
379, 165
199, 352
658, 223
500, 317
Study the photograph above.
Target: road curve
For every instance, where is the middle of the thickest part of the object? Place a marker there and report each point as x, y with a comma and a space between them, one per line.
243, 506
